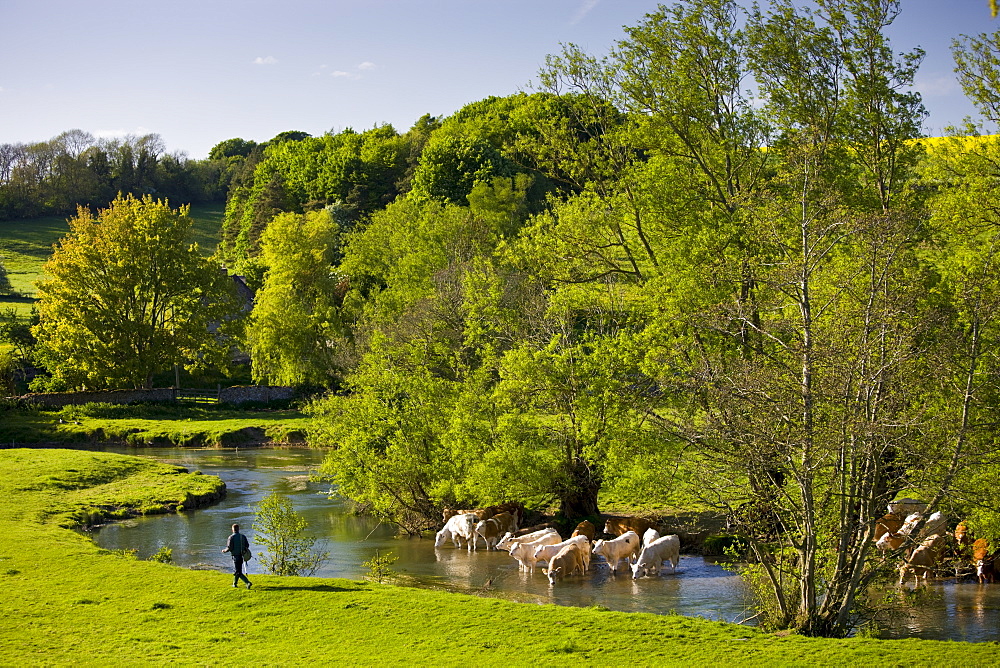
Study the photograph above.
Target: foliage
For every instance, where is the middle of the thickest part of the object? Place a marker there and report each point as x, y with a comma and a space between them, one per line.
282, 532
127, 297
358, 171
293, 333
164, 555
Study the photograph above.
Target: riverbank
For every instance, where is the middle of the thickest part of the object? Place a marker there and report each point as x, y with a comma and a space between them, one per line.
67, 601
154, 425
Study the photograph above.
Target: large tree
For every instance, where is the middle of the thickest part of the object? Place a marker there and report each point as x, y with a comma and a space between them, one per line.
128, 295
294, 330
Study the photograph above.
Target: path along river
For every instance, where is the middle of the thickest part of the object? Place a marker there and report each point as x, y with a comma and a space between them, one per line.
955, 611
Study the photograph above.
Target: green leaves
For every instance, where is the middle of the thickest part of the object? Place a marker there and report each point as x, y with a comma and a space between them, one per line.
296, 332
128, 297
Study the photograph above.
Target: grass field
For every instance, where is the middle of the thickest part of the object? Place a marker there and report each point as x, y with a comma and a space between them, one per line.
67, 602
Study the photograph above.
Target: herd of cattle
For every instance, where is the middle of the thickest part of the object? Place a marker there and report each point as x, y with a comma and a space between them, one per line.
924, 540
637, 542
497, 528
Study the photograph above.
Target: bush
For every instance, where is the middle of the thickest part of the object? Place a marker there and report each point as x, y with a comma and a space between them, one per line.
164, 555
379, 567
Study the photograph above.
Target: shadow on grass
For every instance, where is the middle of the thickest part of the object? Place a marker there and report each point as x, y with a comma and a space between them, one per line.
327, 588
18, 298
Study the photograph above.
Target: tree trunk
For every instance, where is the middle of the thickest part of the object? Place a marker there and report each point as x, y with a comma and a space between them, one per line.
579, 496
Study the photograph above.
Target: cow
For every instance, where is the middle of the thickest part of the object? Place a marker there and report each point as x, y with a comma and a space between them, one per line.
568, 561
462, 529
585, 528
895, 541
448, 513
546, 552
524, 551
962, 535
936, 525
922, 561
889, 523
490, 532
623, 547
666, 548
650, 535
983, 560
509, 538
616, 526
505, 521
443, 536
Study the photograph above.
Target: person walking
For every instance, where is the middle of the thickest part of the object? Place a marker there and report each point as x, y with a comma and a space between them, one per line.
236, 544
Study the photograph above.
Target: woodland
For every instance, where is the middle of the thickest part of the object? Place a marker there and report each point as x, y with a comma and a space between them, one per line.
717, 267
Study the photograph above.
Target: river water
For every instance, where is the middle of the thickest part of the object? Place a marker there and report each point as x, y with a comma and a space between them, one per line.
953, 610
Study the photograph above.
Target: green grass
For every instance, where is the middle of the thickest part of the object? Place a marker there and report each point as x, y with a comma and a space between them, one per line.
65, 601
152, 425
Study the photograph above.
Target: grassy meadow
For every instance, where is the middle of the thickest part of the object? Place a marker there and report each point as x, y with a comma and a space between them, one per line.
66, 601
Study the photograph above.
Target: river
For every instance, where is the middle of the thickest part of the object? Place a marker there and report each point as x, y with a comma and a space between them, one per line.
953, 611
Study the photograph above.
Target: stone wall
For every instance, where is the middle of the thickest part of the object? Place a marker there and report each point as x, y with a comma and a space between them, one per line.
263, 393
60, 399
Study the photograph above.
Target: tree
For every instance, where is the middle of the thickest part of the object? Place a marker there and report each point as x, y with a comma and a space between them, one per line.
281, 530
295, 326
5, 286
128, 296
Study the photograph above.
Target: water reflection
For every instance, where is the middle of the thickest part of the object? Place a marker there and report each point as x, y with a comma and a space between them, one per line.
958, 611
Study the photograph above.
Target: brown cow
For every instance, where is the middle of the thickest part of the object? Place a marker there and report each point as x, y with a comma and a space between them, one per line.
963, 536
616, 526
923, 560
568, 561
889, 523
984, 561
585, 528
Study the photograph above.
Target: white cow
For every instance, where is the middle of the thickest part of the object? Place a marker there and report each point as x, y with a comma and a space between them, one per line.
567, 561
936, 525
461, 529
667, 548
443, 536
509, 538
623, 547
650, 535
547, 552
524, 552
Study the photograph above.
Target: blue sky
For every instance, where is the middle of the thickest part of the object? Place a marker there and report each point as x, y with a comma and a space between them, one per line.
200, 71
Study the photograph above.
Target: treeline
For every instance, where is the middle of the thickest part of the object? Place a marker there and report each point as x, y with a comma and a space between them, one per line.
74, 169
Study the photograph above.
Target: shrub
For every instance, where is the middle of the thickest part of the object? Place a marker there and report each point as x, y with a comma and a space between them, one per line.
164, 555
379, 567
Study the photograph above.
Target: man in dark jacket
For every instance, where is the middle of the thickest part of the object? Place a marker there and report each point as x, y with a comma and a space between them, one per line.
235, 545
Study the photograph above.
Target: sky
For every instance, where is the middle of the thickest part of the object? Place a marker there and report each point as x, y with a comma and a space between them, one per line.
200, 71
